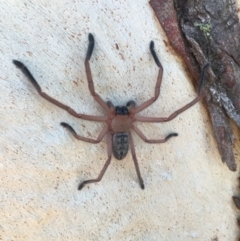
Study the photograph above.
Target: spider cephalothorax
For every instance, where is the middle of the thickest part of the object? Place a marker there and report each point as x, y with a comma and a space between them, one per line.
119, 120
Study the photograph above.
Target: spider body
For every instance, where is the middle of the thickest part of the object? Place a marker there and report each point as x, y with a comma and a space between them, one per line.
120, 143
119, 125
119, 121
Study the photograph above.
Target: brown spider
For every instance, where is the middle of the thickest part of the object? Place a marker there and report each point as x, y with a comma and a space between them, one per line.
119, 120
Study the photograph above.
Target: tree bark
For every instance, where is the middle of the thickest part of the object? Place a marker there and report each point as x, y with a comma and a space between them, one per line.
208, 31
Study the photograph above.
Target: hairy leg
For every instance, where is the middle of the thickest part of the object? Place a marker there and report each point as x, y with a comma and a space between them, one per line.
179, 111
30, 77
89, 75
135, 161
82, 138
144, 138
109, 151
158, 84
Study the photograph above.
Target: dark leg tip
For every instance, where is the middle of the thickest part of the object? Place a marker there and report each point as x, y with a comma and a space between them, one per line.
171, 135
90, 37
151, 45
90, 46
68, 127
81, 186
141, 183
154, 54
206, 66
18, 63
202, 77
64, 124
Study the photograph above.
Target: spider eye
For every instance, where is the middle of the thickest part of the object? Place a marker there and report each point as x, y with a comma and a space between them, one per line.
118, 110
123, 110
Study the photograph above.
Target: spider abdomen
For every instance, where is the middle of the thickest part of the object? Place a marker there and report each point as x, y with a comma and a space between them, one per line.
120, 145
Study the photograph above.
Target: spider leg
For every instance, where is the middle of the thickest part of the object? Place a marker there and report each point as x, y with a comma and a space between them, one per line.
202, 75
144, 138
135, 160
30, 77
158, 84
109, 150
111, 106
177, 112
171, 117
82, 138
89, 74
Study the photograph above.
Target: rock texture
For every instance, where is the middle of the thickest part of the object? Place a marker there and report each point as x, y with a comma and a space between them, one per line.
188, 189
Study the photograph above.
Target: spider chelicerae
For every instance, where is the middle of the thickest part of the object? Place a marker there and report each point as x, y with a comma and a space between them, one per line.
119, 120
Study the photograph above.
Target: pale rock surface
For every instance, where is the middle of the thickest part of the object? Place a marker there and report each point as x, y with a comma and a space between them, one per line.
188, 189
